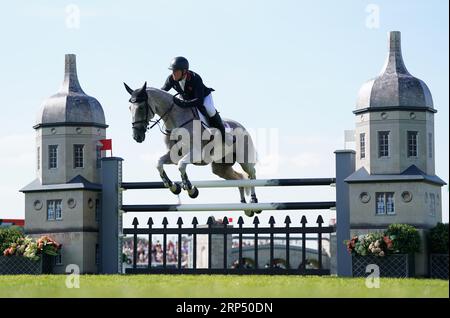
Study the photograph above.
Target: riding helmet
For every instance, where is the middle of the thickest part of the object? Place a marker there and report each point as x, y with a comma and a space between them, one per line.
179, 63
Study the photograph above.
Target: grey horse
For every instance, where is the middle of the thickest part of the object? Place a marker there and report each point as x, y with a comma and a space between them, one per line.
147, 102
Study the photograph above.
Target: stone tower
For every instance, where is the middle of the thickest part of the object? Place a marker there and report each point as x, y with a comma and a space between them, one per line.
394, 180
64, 199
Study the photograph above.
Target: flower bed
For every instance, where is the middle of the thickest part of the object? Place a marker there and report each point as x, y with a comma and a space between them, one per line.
374, 244
392, 251
26, 256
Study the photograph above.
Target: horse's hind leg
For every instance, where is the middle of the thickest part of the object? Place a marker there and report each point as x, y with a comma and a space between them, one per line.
175, 188
249, 168
227, 172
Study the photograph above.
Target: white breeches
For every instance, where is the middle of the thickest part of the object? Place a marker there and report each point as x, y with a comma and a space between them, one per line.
209, 105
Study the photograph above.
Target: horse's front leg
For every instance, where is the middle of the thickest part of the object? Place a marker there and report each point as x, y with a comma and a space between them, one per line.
187, 185
175, 188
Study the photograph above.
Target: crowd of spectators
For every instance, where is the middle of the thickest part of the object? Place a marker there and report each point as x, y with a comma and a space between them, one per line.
156, 252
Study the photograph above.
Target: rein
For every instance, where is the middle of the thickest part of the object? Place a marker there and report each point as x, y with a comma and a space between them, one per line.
147, 120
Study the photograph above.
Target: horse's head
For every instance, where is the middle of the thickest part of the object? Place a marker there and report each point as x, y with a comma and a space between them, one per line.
141, 111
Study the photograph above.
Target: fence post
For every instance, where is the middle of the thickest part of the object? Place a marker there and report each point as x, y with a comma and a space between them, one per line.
345, 166
111, 217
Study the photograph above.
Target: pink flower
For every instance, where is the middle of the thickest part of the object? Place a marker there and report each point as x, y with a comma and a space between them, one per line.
388, 242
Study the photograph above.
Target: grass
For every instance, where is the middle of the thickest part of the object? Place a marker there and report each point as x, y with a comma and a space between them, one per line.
190, 286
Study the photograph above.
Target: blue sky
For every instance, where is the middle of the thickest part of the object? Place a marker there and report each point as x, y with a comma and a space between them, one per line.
294, 66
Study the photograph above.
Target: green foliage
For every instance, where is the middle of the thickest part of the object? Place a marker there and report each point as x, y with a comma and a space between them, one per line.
438, 239
405, 238
9, 235
397, 239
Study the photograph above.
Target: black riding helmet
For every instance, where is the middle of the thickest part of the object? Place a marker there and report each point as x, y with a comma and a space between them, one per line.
179, 63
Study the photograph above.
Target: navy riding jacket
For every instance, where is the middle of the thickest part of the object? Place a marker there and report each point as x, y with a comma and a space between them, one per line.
194, 90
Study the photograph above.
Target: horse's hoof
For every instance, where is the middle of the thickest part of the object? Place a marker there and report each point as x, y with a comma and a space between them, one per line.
249, 213
175, 188
187, 186
193, 193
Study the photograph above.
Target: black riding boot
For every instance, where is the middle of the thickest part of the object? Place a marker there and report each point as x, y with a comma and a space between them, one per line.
216, 122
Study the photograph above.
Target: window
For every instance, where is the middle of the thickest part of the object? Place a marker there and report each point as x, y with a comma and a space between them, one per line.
383, 144
385, 203
54, 210
99, 156
412, 143
97, 209
78, 156
430, 145
362, 145
432, 204
39, 158
53, 156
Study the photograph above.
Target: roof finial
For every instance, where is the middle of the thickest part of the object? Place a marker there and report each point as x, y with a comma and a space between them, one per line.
71, 83
394, 61
395, 44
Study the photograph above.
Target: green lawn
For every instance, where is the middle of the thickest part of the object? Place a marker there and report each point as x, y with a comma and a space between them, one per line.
216, 286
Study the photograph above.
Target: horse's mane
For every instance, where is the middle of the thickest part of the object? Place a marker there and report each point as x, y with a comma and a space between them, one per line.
160, 93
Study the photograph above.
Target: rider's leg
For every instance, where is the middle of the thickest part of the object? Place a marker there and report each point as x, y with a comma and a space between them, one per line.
214, 118
209, 105
216, 122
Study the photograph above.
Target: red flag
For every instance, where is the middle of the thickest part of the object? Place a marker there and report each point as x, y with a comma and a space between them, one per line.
106, 144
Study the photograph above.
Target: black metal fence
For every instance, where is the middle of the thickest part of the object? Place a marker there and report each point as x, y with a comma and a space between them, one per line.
212, 228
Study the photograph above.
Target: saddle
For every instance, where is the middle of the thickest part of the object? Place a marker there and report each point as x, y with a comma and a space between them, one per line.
205, 120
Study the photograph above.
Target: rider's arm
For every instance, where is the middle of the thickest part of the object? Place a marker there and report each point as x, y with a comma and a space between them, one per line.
168, 84
197, 101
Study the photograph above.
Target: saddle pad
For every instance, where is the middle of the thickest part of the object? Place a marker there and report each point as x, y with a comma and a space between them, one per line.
205, 122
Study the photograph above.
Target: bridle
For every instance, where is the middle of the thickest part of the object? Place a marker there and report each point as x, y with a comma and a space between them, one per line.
147, 119
147, 108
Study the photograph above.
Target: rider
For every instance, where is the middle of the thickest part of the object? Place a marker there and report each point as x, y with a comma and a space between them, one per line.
195, 94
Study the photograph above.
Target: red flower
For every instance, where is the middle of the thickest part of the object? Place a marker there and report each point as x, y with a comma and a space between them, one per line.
388, 242
9, 251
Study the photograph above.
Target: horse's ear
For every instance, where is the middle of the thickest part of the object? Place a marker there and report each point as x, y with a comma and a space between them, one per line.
129, 90
144, 87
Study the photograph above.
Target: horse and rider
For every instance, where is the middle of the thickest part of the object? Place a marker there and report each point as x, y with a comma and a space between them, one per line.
177, 115
190, 86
